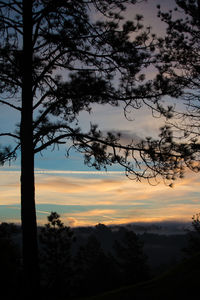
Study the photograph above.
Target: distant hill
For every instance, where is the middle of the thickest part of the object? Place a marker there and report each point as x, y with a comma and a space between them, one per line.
163, 227
180, 281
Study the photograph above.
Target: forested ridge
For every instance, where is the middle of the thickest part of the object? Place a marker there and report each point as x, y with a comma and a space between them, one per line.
88, 261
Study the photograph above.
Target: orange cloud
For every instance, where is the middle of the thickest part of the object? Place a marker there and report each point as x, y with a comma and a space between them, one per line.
131, 201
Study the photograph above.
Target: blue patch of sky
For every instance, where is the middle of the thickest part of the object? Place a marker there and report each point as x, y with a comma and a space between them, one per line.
58, 160
8, 212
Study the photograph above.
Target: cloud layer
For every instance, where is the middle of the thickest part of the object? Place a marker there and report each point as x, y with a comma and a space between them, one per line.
104, 198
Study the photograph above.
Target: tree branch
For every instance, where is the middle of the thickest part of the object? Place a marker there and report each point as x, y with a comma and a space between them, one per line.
11, 105
10, 134
56, 140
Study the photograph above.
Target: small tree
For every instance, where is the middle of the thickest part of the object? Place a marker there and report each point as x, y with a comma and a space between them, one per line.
56, 264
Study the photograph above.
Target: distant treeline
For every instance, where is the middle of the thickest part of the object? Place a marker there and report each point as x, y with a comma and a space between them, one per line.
87, 261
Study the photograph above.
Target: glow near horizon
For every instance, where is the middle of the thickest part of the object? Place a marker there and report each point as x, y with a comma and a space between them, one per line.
105, 198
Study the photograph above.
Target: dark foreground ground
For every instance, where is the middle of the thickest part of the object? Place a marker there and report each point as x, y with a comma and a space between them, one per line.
91, 264
181, 281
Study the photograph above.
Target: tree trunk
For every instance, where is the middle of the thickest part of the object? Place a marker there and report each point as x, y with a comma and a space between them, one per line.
28, 212
198, 9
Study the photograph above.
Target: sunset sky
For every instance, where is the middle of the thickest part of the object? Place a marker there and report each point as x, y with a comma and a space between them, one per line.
84, 196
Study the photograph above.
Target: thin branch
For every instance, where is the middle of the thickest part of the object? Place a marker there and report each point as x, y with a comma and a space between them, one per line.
53, 141
40, 101
10, 5
11, 105
10, 134
8, 155
46, 69
11, 24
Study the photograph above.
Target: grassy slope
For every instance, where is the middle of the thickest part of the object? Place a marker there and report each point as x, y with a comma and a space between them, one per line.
182, 280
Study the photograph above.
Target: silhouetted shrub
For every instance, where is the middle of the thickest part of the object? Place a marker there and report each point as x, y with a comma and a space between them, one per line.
55, 259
